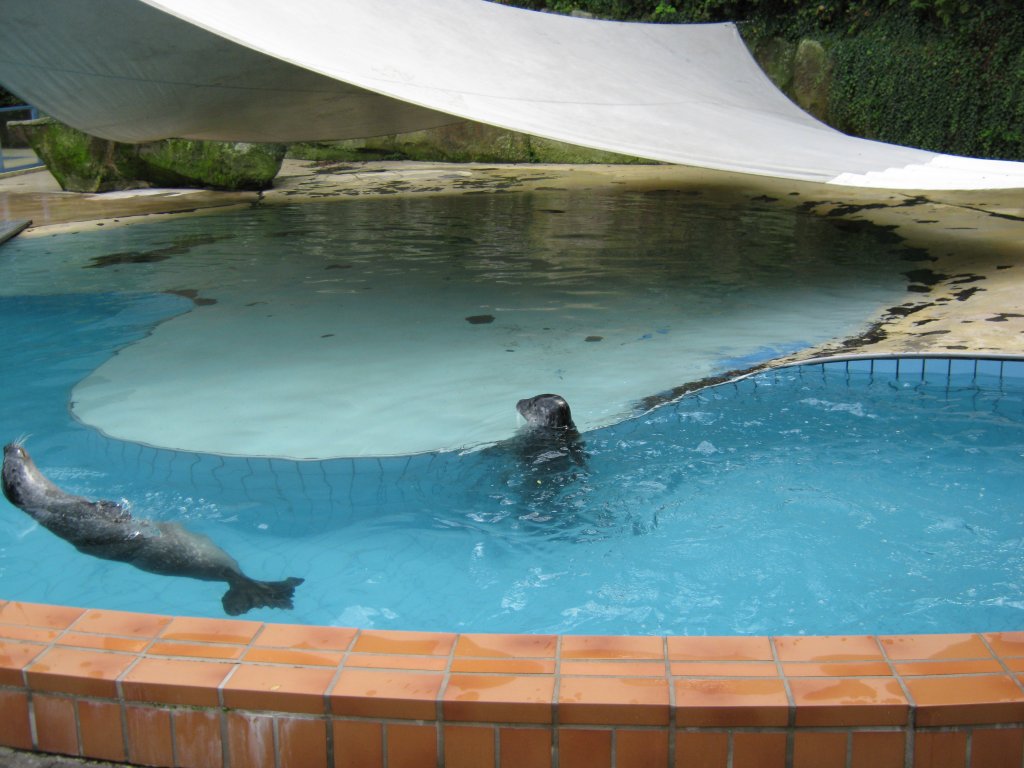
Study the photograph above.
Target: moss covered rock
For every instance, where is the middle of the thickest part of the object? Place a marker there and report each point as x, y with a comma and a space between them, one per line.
465, 142
83, 163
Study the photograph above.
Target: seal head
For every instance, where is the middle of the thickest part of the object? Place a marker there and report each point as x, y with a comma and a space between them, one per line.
551, 411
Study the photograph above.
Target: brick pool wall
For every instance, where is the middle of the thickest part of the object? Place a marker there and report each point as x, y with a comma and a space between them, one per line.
174, 691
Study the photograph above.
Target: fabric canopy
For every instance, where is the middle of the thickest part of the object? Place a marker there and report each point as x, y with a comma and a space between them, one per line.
294, 70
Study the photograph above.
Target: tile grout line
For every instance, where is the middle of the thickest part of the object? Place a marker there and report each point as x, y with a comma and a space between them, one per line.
671, 703
556, 676
908, 747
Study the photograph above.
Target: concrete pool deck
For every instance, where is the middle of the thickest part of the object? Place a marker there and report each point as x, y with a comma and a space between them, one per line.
160, 690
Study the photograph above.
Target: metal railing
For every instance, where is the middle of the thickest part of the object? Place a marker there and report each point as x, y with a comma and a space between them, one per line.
33, 113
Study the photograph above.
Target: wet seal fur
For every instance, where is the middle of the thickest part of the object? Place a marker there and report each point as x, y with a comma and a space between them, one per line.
107, 530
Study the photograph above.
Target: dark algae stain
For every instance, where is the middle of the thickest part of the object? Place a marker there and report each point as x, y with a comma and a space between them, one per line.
180, 246
191, 293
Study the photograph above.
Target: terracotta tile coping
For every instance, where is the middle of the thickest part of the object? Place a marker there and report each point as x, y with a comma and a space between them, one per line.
688, 682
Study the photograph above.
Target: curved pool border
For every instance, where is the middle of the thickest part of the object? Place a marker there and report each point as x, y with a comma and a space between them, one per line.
178, 691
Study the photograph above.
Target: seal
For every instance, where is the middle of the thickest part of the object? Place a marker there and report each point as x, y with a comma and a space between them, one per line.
107, 530
551, 411
550, 438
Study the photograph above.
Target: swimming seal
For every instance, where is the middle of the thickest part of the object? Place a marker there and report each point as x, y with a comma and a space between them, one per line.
551, 411
107, 530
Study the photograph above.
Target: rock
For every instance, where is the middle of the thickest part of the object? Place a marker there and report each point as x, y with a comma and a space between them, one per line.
812, 78
83, 163
464, 142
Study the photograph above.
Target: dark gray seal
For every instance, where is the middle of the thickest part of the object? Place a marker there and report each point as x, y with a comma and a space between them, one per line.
550, 438
550, 411
107, 530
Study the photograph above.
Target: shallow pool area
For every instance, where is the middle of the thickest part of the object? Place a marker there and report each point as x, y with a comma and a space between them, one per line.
399, 326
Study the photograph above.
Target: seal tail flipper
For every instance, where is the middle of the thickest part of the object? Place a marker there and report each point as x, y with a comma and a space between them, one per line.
244, 594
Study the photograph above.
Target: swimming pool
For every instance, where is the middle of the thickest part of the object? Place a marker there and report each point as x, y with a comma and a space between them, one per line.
717, 514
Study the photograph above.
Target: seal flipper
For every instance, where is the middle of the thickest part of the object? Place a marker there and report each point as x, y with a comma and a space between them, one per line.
244, 594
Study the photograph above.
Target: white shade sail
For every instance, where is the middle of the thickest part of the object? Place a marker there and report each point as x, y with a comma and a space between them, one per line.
274, 71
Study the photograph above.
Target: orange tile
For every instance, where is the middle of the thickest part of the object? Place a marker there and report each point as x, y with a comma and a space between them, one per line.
35, 615
997, 748
837, 669
82, 672
963, 667
639, 749
412, 643
56, 730
878, 749
820, 649
397, 661
940, 749
380, 693
731, 701
702, 749
499, 698
980, 699
305, 638
724, 669
149, 735
467, 746
720, 649
16, 732
758, 750
525, 746
175, 681
613, 701
125, 624
412, 746
250, 739
102, 642
612, 647
221, 652
849, 701
195, 630
504, 666
14, 657
584, 748
302, 743
817, 749
358, 744
1007, 644
294, 657
197, 738
613, 668
281, 689
31, 634
507, 646
922, 647
102, 735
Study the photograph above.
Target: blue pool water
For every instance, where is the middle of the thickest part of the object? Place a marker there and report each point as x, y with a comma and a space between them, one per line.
818, 500
837, 499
